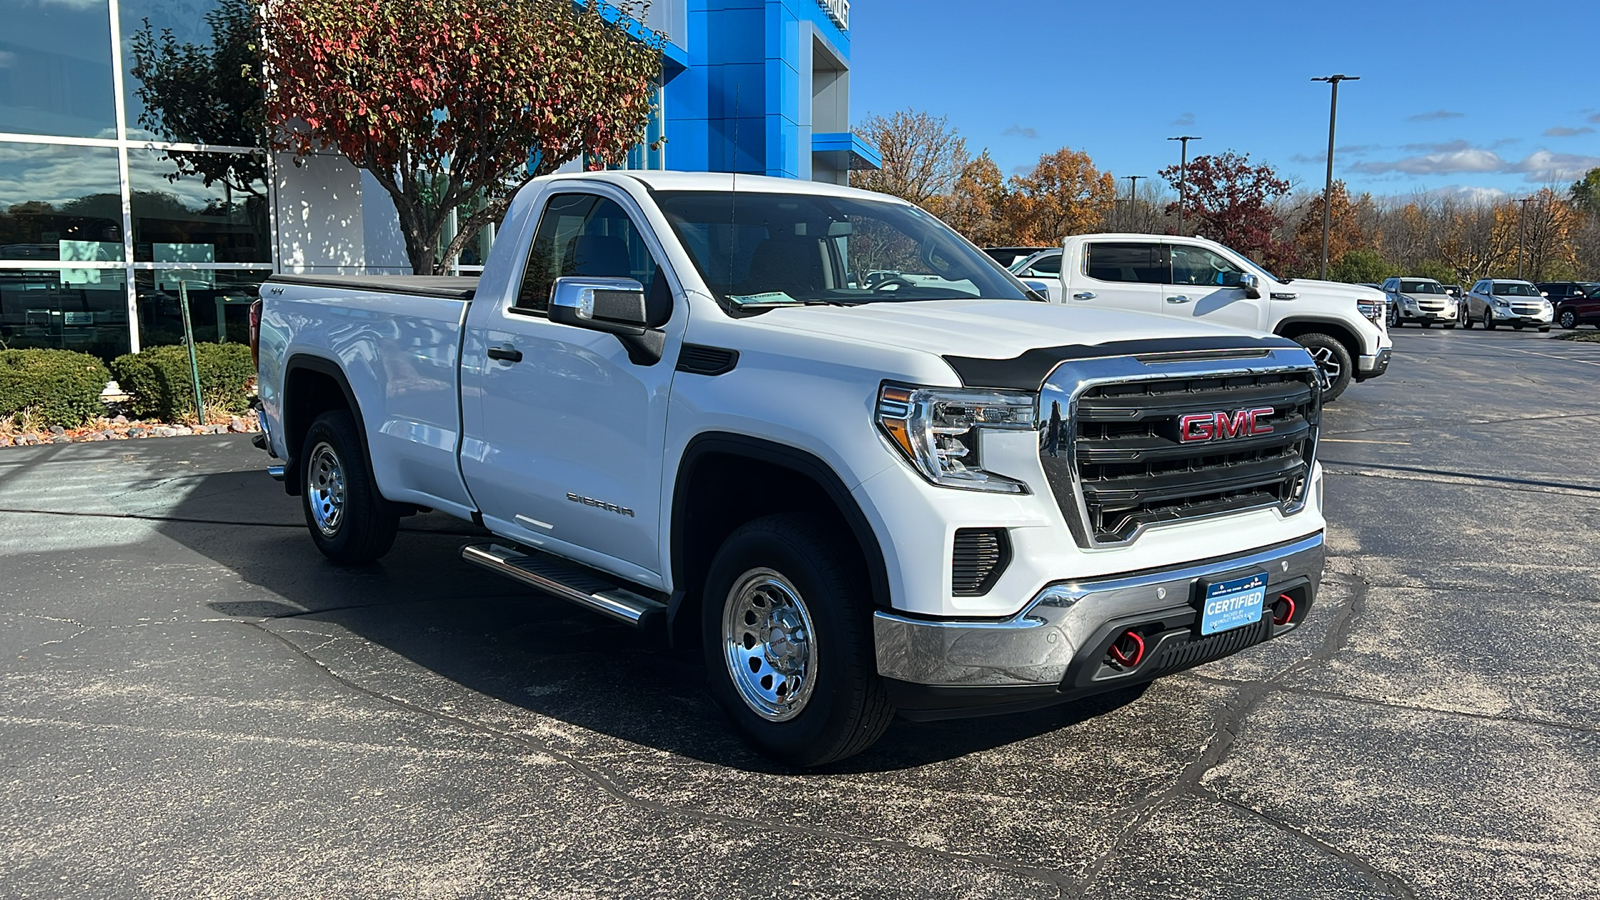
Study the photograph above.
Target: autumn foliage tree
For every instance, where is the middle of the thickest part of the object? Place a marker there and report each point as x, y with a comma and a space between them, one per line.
922, 156
1344, 229
1064, 194
1231, 201
457, 103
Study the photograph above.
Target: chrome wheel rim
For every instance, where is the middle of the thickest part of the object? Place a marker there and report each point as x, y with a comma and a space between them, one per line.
1568, 320
325, 490
1394, 317
1328, 361
769, 645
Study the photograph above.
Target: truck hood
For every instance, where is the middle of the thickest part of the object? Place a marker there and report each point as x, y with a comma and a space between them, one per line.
1334, 288
989, 329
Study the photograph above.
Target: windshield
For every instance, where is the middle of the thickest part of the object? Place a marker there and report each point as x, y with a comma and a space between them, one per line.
757, 250
1515, 289
1259, 270
1421, 287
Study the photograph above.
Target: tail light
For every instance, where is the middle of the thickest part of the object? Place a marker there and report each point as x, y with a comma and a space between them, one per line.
255, 333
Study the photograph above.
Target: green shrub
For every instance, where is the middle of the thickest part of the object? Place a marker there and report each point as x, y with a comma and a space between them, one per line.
159, 386
53, 387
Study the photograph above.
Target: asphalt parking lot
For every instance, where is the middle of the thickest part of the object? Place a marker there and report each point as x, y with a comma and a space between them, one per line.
193, 703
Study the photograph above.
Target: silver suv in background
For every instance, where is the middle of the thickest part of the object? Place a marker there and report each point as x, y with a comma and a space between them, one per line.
1508, 301
1420, 300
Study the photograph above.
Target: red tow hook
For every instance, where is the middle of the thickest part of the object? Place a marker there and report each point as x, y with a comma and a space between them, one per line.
1128, 650
1283, 610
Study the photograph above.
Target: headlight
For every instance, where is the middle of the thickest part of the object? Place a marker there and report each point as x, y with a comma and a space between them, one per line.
937, 432
1371, 309
1503, 304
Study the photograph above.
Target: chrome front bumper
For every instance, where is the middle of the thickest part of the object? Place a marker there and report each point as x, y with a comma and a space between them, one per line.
1036, 647
1371, 365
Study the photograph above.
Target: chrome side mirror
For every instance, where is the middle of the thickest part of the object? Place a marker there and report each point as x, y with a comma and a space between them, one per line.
610, 305
1251, 285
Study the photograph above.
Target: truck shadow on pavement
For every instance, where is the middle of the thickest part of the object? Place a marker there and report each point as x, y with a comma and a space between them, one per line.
495, 639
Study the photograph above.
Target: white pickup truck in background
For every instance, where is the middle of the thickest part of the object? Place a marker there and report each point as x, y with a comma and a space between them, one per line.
1340, 324
687, 407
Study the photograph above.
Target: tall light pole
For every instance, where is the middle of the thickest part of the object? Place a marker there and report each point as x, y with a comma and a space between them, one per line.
1522, 207
1183, 174
1327, 190
1133, 186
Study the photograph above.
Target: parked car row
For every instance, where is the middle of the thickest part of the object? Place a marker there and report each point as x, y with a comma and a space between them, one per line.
1492, 302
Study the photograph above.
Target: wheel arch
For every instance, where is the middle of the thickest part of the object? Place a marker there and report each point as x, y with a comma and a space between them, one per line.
313, 385
708, 504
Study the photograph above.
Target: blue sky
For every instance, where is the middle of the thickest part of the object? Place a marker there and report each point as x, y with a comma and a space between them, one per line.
1466, 96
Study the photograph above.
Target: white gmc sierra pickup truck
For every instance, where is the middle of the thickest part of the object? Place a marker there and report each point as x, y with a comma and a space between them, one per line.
675, 400
1342, 325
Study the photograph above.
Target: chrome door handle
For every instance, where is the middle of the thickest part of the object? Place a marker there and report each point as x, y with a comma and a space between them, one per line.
1178, 299
1083, 295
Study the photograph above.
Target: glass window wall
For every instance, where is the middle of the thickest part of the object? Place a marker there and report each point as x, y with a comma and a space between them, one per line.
219, 304
65, 309
59, 203
55, 68
198, 207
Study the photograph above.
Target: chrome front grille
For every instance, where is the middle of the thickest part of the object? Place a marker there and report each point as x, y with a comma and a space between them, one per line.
1116, 456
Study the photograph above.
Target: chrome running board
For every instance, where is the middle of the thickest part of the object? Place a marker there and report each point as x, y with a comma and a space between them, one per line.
568, 581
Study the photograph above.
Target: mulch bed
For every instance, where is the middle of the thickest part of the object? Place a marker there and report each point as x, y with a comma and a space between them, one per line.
121, 428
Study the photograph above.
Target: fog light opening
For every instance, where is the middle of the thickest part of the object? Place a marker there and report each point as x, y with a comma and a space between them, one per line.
1283, 610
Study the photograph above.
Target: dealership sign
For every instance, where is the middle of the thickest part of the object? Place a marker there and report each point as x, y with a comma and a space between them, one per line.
838, 11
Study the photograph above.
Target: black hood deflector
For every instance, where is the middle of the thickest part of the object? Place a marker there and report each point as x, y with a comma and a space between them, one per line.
1028, 371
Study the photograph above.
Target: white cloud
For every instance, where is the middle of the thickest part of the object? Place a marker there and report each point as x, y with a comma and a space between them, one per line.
1563, 131
1469, 193
1457, 157
1020, 131
1184, 121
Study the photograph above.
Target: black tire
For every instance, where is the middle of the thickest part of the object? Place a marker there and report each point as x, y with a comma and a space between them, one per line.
1544, 329
774, 563
1334, 359
1466, 320
1516, 326
1450, 325
349, 520
1394, 317
1488, 319
1568, 319
1425, 323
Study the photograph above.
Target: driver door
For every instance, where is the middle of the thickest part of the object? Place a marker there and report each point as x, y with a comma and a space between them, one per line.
1205, 284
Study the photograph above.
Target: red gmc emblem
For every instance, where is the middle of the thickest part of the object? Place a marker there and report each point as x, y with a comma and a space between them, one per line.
1219, 426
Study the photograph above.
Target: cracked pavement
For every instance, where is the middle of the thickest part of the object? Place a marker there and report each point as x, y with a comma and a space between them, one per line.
194, 703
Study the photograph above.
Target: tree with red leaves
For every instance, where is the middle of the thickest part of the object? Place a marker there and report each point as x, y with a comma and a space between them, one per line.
1231, 202
446, 102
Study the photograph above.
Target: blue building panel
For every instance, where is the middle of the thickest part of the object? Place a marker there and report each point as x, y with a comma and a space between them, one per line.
738, 89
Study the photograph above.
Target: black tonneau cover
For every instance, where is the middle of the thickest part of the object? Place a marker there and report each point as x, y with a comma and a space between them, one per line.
450, 287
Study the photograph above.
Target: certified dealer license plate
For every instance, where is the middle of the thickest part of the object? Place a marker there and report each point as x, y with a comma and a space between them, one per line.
1230, 604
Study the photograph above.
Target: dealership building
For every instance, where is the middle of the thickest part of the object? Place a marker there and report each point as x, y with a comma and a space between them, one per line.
99, 227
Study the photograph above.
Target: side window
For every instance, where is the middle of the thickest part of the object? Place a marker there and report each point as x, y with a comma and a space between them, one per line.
583, 234
1388, 284
1050, 265
1135, 263
1197, 265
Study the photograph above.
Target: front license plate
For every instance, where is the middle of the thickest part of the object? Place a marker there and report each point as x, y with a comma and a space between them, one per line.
1230, 604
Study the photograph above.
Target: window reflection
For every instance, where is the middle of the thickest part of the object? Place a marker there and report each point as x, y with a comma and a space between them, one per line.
71, 309
59, 203
190, 71
219, 304
180, 218
55, 68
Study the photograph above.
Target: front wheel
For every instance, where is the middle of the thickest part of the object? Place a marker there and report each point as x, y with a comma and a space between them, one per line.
1333, 359
348, 519
786, 625
1394, 316
1488, 319
1568, 319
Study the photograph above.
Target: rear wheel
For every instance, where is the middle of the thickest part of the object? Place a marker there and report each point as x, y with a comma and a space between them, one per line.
1425, 323
1516, 326
1450, 325
349, 521
1332, 358
1544, 329
786, 623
